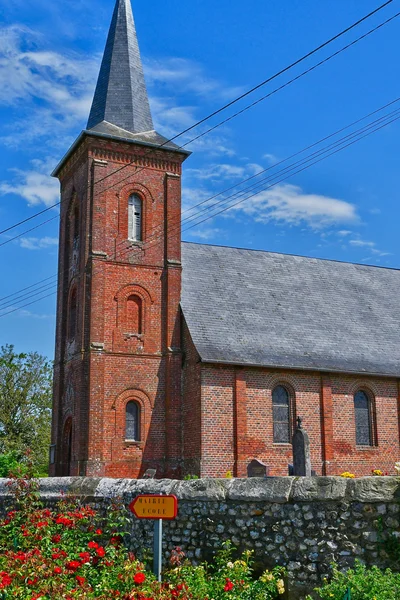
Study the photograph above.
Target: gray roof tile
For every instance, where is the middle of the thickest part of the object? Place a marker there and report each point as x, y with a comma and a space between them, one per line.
262, 308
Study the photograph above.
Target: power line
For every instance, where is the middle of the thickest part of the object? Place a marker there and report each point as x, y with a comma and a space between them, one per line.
282, 71
244, 95
322, 62
28, 231
30, 218
287, 176
262, 172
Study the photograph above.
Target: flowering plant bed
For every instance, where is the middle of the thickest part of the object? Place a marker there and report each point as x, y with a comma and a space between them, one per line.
73, 551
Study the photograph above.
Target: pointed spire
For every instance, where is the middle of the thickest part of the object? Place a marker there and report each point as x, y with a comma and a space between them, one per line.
121, 97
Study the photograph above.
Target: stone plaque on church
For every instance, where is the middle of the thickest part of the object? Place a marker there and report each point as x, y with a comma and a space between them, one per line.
256, 468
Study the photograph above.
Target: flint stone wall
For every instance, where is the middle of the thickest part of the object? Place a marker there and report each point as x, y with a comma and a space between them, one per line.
302, 523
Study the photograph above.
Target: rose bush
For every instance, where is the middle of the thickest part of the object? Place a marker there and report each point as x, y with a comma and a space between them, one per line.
75, 552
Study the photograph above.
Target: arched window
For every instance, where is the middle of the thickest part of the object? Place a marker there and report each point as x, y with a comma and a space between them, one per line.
135, 218
132, 426
134, 311
362, 411
281, 415
72, 315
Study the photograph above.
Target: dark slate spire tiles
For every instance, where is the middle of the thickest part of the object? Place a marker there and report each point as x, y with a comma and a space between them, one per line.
121, 96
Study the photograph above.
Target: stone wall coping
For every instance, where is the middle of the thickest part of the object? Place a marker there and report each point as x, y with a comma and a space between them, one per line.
270, 489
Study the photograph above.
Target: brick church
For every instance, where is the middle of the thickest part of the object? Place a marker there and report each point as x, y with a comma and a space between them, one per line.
191, 358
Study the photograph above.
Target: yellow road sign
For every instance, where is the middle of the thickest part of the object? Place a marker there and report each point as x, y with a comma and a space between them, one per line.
154, 506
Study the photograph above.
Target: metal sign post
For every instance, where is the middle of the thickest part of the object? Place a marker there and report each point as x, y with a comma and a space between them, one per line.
347, 595
158, 527
159, 508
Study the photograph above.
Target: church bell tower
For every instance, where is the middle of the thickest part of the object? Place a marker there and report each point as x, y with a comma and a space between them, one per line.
117, 375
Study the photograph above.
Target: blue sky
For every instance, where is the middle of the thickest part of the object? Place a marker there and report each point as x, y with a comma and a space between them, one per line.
197, 56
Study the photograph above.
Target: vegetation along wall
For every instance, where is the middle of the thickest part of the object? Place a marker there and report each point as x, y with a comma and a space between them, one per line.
302, 523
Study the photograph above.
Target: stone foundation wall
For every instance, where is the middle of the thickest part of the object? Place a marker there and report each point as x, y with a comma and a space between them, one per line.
301, 523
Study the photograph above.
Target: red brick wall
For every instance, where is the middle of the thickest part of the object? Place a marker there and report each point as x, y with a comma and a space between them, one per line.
232, 436
113, 364
360, 460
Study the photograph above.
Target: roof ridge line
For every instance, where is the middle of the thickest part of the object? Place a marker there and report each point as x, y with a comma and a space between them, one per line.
335, 260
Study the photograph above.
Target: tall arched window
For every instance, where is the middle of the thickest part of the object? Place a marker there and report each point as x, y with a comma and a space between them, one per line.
362, 411
281, 415
72, 315
134, 310
135, 218
132, 423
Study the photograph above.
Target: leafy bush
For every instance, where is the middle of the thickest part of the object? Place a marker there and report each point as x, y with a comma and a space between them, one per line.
74, 552
8, 462
364, 583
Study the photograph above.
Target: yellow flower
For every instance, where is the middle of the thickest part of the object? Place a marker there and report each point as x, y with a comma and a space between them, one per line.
229, 475
280, 586
347, 475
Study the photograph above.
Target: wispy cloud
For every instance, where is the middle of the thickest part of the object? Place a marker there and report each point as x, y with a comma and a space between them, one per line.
189, 76
290, 204
270, 158
371, 246
32, 315
224, 171
34, 243
58, 89
35, 184
208, 233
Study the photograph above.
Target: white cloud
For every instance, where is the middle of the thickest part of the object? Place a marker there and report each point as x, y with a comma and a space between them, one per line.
370, 245
34, 243
32, 315
35, 185
288, 203
270, 158
189, 76
51, 91
223, 171
361, 243
207, 234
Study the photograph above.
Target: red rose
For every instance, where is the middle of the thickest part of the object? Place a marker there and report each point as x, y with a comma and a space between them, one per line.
57, 570
73, 565
56, 538
93, 545
100, 552
228, 586
85, 557
80, 580
99, 531
139, 578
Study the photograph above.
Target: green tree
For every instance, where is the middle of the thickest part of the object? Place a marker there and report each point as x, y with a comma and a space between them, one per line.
25, 405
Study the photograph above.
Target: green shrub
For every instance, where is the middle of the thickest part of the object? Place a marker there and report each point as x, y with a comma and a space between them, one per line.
364, 584
8, 462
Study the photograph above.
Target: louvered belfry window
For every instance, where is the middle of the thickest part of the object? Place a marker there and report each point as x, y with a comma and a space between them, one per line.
135, 218
281, 415
362, 410
132, 428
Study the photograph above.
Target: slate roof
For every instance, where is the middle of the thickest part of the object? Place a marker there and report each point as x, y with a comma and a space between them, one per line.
261, 308
121, 97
